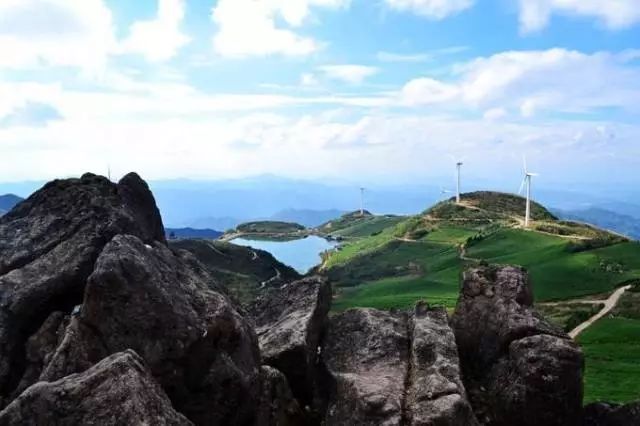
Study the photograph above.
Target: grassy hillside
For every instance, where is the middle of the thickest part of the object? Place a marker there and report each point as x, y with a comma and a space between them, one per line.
392, 262
612, 349
558, 272
242, 270
269, 227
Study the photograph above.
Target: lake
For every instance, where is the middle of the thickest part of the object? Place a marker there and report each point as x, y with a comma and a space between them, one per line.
302, 254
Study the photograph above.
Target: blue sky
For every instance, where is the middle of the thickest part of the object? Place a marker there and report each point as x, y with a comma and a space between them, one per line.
383, 90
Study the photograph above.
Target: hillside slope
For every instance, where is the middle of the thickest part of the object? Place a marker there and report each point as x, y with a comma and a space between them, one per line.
242, 270
422, 256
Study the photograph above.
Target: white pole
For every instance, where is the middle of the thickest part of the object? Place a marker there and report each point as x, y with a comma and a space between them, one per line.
458, 184
528, 212
361, 201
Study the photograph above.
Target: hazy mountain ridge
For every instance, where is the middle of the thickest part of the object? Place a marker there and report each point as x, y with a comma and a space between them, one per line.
7, 202
607, 219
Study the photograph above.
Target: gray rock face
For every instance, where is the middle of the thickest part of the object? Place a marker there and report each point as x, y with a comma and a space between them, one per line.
366, 355
603, 414
277, 407
435, 393
289, 323
394, 369
117, 391
144, 297
48, 246
518, 368
40, 347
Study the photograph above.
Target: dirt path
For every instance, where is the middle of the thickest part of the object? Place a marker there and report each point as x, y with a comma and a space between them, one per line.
609, 304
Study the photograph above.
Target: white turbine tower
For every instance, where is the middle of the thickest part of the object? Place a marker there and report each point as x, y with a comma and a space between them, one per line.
459, 163
362, 201
527, 181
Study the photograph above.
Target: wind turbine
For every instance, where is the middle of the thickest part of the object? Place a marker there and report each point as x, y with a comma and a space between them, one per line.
362, 201
459, 163
527, 181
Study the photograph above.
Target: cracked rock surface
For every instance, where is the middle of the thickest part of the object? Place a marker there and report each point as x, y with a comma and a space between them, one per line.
118, 390
518, 368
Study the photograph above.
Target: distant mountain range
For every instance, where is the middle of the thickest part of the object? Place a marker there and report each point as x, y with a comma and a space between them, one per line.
7, 202
224, 204
607, 219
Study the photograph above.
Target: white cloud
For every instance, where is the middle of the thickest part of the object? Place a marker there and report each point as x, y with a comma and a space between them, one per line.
252, 27
55, 32
433, 9
403, 57
351, 74
615, 14
308, 79
303, 146
161, 38
424, 91
421, 56
555, 80
494, 114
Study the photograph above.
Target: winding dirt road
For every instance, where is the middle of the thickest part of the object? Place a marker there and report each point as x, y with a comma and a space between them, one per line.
609, 304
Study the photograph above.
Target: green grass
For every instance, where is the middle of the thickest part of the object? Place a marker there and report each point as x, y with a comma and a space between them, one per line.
557, 273
452, 235
368, 226
269, 227
412, 271
612, 350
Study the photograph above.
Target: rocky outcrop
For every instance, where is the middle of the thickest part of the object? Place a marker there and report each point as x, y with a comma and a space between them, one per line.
116, 391
435, 393
277, 406
48, 246
518, 368
200, 349
604, 414
366, 355
394, 368
289, 322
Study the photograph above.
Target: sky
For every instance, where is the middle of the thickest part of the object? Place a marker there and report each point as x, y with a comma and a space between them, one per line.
371, 90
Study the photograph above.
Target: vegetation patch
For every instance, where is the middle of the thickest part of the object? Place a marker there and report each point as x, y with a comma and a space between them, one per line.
612, 349
269, 227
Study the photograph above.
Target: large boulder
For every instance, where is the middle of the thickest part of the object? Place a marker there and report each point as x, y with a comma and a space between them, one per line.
277, 405
518, 368
117, 391
604, 414
147, 298
289, 322
48, 246
366, 356
435, 393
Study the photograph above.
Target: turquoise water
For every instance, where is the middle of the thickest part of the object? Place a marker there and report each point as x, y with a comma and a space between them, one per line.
302, 254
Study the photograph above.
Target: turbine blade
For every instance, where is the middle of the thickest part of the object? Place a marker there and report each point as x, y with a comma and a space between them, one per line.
524, 181
524, 163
